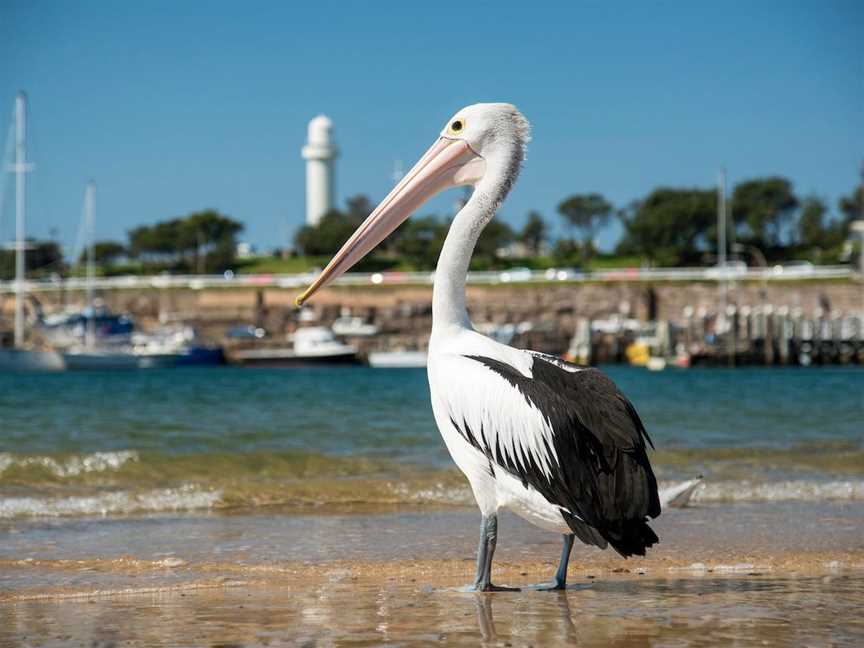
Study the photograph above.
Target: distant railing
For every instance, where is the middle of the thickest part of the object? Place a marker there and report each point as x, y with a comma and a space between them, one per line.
513, 276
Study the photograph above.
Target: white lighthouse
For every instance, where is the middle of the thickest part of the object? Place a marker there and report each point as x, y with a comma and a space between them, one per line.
320, 153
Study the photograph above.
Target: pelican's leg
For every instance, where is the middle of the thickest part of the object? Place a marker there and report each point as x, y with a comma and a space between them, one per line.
488, 540
560, 581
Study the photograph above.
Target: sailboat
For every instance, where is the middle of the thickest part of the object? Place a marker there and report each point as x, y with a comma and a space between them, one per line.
89, 355
19, 358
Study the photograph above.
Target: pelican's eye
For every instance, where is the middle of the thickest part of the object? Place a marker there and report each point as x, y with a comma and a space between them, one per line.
456, 126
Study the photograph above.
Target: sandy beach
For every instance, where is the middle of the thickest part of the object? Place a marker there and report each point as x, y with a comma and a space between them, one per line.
768, 575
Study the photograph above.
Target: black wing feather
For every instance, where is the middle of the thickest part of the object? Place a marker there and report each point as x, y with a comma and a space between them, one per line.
599, 464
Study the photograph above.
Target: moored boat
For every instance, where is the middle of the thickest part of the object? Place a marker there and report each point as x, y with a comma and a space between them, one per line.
30, 360
311, 346
94, 359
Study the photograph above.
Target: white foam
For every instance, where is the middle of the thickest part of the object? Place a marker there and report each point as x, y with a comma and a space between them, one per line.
795, 490
164, 499
71, 466
694, 491
436, 494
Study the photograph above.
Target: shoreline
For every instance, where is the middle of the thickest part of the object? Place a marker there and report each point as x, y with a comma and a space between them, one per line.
451, 575
787, 573
431, 545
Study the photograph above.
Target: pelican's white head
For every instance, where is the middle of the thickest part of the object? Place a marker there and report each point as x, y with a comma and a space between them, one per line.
481, 145
491, 130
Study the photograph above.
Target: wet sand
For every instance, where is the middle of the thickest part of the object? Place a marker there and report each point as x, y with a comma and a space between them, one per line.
780, 574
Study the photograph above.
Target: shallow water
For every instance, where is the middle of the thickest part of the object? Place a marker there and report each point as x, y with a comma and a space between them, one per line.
119, 443
720, 533
743, 575
821, 611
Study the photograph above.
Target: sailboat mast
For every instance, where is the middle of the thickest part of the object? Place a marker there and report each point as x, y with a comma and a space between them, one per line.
89, 216
20, 206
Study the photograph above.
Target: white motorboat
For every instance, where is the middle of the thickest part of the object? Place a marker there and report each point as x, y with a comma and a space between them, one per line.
312, 345
353, 327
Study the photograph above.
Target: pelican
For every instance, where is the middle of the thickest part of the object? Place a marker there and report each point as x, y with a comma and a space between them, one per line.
556, 443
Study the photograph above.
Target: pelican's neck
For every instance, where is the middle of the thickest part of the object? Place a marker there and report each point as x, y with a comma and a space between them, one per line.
448, 292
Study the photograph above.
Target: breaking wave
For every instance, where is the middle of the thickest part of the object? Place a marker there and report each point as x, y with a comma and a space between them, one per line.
72, 465
119, 503
795, 490
135, 482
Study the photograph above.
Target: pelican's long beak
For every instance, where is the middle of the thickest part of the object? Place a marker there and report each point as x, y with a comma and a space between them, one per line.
448, 163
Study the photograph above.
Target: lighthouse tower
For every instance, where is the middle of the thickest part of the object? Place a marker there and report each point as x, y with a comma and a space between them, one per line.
320, 153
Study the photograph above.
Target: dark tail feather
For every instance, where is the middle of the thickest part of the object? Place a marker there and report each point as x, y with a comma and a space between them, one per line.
633, 538
585, 532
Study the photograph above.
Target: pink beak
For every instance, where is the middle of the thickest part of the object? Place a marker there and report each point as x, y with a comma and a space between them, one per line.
448, 163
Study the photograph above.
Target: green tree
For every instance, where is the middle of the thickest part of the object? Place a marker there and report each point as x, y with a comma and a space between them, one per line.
670, 226
764, 206
567, 252
534, 232
334, 228
358, 208
203, 240
159, 241
811, 223
420, 241
105, 253
208, 227
852, 206
327, 236
816, 233
41, 259
588, 213
211, 238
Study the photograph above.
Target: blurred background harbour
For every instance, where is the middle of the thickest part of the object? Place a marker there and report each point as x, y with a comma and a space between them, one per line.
81, 314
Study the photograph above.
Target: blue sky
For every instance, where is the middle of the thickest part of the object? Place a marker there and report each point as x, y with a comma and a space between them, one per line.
174, 107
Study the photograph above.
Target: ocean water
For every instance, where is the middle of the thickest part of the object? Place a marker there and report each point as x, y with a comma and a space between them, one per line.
240, 439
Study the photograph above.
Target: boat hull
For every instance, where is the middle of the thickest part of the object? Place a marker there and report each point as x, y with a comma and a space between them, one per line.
201, 356
100, 361
288, 359
158, 360
25, 360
